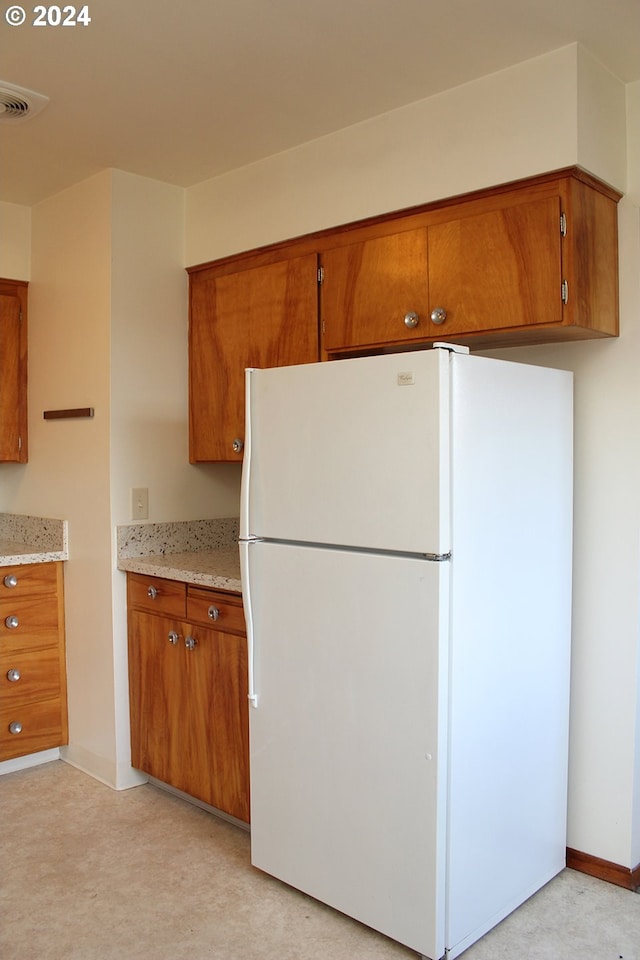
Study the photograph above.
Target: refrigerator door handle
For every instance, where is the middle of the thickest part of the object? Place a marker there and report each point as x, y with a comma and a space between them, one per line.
246, 461
248, 614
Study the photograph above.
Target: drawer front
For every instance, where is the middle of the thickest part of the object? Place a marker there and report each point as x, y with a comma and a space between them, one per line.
26, 624
29, 676
37, 726
28, 580
156, 595
219, 610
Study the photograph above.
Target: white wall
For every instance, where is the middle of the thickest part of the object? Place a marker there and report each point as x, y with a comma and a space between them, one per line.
108, 330
547, 113
68, 471
149, 397
15, 242
511, 124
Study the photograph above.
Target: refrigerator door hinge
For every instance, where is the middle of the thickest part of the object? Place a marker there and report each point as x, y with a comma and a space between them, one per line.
564, 292
320, 274
563, 224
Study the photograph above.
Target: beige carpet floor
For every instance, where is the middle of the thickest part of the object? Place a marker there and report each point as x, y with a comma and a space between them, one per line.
87, 873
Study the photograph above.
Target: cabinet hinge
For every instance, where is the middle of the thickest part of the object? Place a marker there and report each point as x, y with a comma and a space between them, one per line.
320, 274
563, 224
564, 291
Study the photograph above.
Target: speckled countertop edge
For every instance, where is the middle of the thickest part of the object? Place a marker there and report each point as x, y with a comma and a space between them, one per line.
218, 568
203, 552
25, 539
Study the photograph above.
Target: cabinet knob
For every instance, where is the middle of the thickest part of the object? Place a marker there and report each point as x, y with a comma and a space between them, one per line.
438, 315
11, 622
411, 319
237, 445
15, 727
190, 643
10, 580
13, 675
173, 637
213, 613
152, 592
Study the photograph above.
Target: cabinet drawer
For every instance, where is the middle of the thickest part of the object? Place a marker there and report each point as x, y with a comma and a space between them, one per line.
30, 676
156, 595
40, 726
28, 580
221, 611
26, 624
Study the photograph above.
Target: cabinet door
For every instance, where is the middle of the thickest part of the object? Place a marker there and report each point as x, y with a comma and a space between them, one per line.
13, 367
499, 269
156, 695
484, 271
369, 288
189, 710
261, 317
218, 745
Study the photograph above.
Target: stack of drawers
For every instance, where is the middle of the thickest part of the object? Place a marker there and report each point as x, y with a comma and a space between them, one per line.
33, 688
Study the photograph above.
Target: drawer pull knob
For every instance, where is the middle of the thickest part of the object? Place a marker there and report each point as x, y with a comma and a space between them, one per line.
15, 727
10, 580
237, 445
213, 613
152, 592
13, 676
190, 643
11, 622
438, 315
411, 319
173, 637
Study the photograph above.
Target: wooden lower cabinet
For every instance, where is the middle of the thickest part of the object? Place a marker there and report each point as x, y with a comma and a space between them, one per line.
33, 687
188, 695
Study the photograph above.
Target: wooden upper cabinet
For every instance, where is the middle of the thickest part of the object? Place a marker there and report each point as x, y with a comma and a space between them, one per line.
13, 371
532, 264
497, 270
368, 288
265, 316
535, 261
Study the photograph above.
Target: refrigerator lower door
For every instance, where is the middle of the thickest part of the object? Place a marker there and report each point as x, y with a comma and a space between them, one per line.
348, 749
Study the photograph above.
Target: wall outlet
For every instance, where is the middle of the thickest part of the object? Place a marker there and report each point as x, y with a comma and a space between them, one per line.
139, 503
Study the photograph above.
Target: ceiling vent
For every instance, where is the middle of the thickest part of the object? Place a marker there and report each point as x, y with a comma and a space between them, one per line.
18, 103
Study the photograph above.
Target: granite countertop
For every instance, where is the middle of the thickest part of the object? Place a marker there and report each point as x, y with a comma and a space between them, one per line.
202, 552
219, 567
32, 540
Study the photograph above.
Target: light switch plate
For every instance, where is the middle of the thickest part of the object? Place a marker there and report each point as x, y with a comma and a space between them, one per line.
139, 503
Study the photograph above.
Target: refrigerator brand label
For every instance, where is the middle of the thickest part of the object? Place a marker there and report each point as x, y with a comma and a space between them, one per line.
405, 379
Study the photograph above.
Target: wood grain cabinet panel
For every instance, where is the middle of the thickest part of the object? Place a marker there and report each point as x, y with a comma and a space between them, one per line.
188, 699
13, 371
157, 595
265, 316
534, 261
368, 289
534, 264
33, 679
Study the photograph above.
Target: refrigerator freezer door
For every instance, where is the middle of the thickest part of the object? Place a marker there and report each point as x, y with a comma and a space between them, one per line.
348, 767
351, 452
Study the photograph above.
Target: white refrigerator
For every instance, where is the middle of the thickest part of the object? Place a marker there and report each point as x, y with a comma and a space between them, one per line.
405, 546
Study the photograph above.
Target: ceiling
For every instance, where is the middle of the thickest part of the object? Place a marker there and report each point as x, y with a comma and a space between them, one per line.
181, 92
